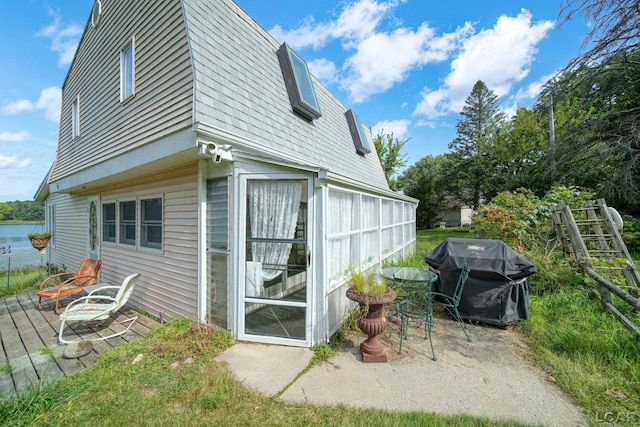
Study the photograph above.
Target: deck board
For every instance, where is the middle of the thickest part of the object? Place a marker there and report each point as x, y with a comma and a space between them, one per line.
29, 337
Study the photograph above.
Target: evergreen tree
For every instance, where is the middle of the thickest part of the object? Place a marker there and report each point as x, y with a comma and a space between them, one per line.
481, 119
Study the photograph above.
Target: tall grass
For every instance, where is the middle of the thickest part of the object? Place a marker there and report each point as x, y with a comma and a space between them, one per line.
15, 282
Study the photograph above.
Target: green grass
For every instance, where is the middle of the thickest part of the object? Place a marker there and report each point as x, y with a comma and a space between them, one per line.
572, 339
21, 280
178, 382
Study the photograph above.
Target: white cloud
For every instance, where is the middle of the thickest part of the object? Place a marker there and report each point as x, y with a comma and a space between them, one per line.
7, 162
500, 57
14, 136
48, 102
64, 38
18, 106
532, 91
399, 128
379, 59
324, 70
356, 21
384, 59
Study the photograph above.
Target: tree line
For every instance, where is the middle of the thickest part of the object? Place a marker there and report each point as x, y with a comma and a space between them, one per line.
26, 210
583, 131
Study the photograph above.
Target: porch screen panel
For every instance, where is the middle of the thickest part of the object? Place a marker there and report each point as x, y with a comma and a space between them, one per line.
343, 243
218, 250
370, 248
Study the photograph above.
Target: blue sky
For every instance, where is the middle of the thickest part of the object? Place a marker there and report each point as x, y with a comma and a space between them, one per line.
405, 66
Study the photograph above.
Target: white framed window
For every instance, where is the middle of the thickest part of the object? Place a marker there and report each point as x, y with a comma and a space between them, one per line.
109, 222
127, 222
136, 223
127, 71
75, 117
151, 222
96, 12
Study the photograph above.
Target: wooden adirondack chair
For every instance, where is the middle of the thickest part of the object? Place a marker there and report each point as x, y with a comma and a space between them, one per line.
86, 275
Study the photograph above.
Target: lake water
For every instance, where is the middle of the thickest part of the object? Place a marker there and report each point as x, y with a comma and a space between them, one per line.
16, 248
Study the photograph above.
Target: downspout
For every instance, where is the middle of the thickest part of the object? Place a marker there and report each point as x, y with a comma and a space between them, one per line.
202, 240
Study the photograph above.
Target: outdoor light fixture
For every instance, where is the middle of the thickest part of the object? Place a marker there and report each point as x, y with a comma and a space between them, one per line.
216, 152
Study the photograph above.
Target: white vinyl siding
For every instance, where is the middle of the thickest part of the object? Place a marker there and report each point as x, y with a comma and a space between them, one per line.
163, 100
71, 231
168, 283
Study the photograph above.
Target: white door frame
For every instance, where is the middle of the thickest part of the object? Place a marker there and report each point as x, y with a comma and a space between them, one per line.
310, 276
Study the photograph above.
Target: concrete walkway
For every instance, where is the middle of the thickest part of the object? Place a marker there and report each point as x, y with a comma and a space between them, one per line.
483, 378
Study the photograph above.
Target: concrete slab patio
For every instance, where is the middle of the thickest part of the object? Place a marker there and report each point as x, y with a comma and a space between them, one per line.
487, 377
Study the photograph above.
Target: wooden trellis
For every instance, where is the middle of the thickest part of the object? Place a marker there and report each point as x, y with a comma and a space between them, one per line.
591, 236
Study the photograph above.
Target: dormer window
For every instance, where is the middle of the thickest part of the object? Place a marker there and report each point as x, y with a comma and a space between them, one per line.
358, 133
298, 81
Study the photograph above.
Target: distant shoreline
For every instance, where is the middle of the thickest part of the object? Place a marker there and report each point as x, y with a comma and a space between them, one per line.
21, 222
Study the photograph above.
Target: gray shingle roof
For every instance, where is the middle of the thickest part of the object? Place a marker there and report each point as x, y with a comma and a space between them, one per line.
240, 88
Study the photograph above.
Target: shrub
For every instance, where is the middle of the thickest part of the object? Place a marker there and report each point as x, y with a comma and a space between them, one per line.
523, 220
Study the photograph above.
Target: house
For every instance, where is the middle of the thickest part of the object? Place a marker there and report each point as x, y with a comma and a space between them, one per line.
457, 216
198, 151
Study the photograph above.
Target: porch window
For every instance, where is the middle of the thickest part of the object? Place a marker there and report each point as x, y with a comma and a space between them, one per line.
151, 223
298, 82
109, 222
127, 70
127, 222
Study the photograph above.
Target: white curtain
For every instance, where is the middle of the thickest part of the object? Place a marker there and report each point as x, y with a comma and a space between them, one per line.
341, 222
273, 210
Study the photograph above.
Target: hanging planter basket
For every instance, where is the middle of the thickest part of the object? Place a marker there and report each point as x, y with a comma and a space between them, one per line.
39, 240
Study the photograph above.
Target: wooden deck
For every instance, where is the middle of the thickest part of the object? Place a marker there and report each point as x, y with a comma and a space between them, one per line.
30, 352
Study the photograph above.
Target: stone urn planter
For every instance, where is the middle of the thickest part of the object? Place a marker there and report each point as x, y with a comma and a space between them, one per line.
372, 322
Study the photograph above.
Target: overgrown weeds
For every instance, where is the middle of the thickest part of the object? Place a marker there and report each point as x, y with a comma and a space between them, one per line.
19, 281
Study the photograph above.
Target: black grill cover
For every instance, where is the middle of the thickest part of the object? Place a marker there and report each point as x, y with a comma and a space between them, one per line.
496, 291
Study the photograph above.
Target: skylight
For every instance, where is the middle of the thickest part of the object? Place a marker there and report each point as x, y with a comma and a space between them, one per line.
358, 134
298, 81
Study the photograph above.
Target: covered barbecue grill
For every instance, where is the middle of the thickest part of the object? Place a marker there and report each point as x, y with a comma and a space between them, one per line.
496, 291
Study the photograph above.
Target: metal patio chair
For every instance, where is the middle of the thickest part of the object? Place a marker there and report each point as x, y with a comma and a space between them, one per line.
450, 303
75, 282
99, 307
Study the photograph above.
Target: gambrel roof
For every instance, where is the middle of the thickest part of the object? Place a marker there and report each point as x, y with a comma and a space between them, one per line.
239, 87
203, 66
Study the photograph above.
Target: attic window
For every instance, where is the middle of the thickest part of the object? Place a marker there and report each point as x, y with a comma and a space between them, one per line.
96, 12
298, 81
358, 134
